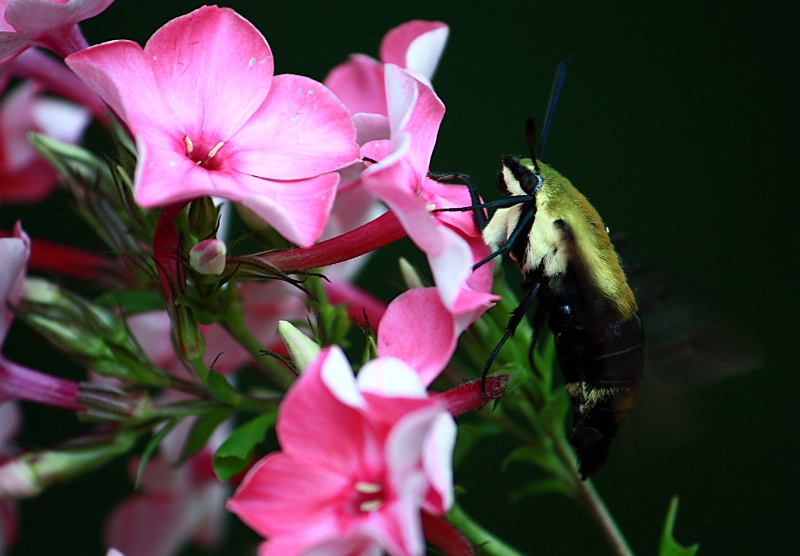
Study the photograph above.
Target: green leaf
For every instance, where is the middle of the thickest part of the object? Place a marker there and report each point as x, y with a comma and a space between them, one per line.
221, 389
150, 449
133, 301
202, 429
669, 546
237, 451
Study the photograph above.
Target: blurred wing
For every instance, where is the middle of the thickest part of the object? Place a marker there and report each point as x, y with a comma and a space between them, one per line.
689, 347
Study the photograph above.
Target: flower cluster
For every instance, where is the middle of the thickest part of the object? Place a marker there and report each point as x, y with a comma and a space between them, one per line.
199, 344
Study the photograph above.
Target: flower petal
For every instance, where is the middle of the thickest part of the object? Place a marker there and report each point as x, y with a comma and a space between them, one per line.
318, 419
282, 495
41, 17
119, 72
416, 45
358, 82
301, 130
214, 69
426, 344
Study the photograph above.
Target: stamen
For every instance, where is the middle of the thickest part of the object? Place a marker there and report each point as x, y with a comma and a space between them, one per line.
368, 488
189, 145
430, 207
370, 505
215, 150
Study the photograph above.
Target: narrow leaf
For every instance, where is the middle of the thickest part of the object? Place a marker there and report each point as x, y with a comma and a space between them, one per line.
237, 451
669, 546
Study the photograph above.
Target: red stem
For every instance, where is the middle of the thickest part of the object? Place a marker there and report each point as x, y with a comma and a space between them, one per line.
374, 234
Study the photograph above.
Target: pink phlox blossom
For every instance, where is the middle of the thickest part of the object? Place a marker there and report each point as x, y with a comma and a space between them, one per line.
400, 179
210, 118
49, 23
17, 381
362, 457
177, 503
264, 303
25, 176
359, 83
416, 46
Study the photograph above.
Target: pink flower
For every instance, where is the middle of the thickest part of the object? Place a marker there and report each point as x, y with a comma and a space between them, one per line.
361, 459
176, 503
416, 45
25, 176
399, 179
49, 23
16, 381
210, 118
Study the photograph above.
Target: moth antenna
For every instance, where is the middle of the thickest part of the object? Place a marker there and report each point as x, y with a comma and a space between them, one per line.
530, 137
555, 91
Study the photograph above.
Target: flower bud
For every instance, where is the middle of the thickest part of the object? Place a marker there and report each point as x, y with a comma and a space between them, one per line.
90, 333
303, 349
29, 474
203, 216
209, 257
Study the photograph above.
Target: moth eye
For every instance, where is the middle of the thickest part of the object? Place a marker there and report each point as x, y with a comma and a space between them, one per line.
531, 182
501, 185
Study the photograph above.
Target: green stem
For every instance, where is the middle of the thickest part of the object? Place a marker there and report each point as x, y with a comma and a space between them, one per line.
587, 495
233, 322
488, 543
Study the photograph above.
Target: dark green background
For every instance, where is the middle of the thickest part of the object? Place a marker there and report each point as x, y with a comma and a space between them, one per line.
679, 122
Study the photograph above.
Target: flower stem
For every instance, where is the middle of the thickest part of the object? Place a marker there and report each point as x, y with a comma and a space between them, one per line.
489, 544
586, 494
379, 232
233, 322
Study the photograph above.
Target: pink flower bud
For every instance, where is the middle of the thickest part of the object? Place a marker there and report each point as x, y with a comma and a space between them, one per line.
208, 257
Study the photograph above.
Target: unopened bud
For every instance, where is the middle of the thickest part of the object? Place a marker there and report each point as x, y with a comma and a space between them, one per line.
302, 348
410, 275
29, 474
87, 331
208, 257
203, 217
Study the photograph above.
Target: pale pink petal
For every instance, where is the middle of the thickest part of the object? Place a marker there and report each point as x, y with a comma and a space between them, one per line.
391, 377
315, 423
425, 344
156, 525
14, 253
12, 43
425, 116
437, 461
359, 84
302, 543
416, 45
371, 127
301, 130
59, 119
44, 16
187, 50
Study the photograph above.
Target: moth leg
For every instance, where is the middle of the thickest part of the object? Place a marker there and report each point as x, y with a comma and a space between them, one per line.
516, 317
477, 208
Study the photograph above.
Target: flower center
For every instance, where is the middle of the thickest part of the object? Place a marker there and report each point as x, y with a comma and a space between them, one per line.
201, 156
368, 497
